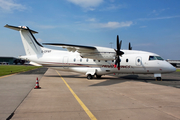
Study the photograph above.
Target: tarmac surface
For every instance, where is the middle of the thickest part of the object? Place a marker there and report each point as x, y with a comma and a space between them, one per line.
14, 89
70, 96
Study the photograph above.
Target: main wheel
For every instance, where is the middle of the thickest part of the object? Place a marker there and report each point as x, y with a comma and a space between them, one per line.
98, 76
89, 76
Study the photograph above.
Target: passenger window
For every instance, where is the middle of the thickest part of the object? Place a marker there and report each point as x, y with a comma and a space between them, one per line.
80, 60
105, 60
87, 60
74, 59
94, 60
127, 60
138, 60
99, 61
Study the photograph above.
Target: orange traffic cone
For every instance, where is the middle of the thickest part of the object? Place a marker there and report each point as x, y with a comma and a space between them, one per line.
37, 84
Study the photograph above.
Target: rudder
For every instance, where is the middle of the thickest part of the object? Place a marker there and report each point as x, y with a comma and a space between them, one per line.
31, 46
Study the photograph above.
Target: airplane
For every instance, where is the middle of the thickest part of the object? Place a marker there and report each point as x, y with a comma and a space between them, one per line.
91, 60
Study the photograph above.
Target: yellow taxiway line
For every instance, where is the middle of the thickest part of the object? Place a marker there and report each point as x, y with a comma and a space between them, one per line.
8, 75
88, 112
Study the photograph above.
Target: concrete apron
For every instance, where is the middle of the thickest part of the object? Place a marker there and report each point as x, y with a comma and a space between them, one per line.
108, 98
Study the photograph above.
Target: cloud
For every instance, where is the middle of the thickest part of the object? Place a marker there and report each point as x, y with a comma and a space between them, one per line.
87, 4
91, 20
115, 24
157, 12
10, 5
46, 26
114, 7
39, 40
158, 18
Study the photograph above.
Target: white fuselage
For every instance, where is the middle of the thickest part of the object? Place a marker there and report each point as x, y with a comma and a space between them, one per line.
132, 62
91, 60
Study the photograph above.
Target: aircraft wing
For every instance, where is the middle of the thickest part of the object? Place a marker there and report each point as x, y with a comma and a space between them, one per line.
72, 48
92, 52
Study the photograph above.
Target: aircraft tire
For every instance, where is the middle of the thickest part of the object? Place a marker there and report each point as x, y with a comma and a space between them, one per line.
98, 76
158, 79
89, 77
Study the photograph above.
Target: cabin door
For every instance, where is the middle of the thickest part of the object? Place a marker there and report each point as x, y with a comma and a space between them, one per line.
65, 62
138, 61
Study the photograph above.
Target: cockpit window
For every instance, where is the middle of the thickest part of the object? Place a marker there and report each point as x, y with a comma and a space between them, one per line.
155, 58
152, 58
159, 58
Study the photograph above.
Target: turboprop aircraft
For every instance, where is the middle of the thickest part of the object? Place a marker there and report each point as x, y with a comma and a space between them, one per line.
91, 60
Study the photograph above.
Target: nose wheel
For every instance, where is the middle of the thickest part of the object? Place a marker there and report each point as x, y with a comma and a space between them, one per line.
158, 79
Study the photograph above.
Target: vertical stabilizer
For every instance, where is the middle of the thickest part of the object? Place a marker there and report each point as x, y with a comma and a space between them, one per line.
31, 46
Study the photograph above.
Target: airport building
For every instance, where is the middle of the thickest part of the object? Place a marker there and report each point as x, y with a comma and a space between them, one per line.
7, 60
175, 63
10, 61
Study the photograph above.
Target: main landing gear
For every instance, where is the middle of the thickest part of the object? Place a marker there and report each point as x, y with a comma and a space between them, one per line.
89, 76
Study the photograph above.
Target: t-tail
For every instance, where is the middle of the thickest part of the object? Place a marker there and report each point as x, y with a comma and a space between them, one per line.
31, 46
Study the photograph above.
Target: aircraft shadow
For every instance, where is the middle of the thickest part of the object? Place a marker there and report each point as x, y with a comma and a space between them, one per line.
168, 80
65, 76
36, 71
174, 82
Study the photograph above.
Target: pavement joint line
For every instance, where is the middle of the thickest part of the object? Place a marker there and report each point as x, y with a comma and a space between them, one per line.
88, 112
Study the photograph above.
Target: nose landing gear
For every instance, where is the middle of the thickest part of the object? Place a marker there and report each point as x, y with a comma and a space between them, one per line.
158, 76
158, 79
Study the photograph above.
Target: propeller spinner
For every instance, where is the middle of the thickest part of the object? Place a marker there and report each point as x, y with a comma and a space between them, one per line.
118, 53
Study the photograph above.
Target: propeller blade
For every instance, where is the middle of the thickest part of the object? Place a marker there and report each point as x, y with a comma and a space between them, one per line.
130, 48
118, 47
120, 44
118, 53
118, 63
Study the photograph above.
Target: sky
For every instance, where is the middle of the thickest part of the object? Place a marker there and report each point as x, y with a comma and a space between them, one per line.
150, 25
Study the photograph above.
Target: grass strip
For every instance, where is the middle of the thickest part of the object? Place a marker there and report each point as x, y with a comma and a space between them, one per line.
177, 70
11, 69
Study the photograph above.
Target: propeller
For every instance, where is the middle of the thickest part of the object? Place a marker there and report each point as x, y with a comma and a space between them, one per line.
130, 48
118, 53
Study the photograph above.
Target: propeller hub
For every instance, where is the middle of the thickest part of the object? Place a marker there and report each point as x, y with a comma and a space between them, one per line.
118, 53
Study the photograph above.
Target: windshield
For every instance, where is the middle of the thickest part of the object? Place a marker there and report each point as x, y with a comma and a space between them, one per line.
155, 58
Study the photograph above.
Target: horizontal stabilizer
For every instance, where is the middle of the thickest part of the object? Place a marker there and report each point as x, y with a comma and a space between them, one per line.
19, 28
34, 64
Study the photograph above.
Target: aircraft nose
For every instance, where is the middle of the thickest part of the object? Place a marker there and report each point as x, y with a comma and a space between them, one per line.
168, 68
173, 69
